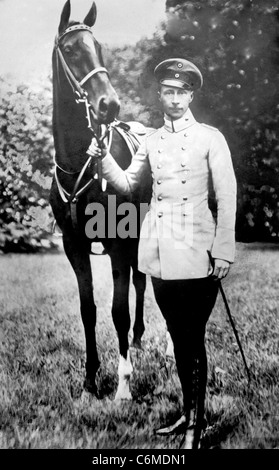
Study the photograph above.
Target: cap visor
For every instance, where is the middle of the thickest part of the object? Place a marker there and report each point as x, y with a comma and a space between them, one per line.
175, 83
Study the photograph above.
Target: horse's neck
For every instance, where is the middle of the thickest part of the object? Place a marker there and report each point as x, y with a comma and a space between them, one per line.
71, 134
70, 128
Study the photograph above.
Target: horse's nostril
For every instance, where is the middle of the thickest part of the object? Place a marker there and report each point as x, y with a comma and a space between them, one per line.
103, 107
108, 109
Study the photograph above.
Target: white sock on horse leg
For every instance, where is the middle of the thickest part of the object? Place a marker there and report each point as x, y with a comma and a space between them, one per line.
125, 370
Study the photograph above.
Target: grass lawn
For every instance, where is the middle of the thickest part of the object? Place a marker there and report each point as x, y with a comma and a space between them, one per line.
42, 403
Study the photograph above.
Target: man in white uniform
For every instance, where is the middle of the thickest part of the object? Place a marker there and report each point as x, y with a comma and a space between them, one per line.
184, 158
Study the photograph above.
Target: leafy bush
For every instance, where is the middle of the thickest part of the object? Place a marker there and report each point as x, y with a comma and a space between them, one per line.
26, 162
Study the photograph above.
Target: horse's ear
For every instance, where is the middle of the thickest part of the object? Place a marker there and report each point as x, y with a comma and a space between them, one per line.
90, 18
65, 16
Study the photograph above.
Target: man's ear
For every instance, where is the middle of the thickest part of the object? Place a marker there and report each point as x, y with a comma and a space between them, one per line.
192, 96
159, 95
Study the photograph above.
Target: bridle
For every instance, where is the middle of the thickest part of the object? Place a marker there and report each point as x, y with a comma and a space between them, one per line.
76, 85
80, 97
103, 131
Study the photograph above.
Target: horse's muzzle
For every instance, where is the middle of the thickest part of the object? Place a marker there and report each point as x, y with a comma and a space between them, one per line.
107, 109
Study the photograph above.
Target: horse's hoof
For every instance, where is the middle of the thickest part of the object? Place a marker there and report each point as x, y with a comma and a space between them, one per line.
123, 396
137, 344
90, 386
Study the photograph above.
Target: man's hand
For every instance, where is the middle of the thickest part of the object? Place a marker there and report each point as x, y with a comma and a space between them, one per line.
95, 151
221, 268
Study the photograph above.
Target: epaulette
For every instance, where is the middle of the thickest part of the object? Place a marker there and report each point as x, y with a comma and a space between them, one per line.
210, 127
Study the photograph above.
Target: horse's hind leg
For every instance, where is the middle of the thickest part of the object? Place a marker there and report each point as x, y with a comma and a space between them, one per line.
121, 319
80, 261
139, 281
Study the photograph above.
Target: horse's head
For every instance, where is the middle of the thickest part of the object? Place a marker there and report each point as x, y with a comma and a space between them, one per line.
82, 58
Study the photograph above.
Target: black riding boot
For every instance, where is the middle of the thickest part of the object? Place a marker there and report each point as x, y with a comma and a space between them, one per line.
194, 409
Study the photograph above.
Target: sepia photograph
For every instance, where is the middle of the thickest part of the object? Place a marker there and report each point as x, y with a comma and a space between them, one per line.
139, 227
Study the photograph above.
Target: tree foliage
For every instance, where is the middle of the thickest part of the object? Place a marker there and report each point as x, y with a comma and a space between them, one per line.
235, 45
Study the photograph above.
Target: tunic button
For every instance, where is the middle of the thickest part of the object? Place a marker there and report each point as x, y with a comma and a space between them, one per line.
183, 181
163, 136
160, 214
185, 198
160, 198
183, 164
159, 181
159, 166
160, 150
183, 148
186, 135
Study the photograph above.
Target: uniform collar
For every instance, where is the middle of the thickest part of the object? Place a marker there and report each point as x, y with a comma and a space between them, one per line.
180, 124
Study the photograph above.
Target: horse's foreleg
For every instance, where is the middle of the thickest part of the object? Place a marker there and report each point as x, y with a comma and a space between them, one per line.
139, 281
121, 319
125, 370
80, 262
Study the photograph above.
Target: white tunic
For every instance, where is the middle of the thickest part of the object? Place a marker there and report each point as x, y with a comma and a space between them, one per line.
179, 228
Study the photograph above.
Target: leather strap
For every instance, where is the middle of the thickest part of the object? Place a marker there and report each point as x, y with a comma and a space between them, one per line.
76, 27
93, 72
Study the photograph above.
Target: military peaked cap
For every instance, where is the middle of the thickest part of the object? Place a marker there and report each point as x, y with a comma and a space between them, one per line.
179, 73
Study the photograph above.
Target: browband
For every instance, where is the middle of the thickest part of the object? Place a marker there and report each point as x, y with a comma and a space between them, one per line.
74, 28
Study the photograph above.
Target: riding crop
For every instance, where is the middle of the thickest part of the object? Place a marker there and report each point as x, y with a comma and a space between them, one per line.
231, 319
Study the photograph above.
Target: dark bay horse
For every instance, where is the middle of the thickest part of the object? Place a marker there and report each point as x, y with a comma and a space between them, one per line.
85, 105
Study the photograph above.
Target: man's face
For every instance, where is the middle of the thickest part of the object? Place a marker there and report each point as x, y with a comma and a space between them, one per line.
175, 101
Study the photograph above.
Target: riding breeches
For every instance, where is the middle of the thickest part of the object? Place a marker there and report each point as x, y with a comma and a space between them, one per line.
186, 306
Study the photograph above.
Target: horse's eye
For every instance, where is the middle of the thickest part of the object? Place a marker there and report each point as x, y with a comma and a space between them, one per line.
68, 50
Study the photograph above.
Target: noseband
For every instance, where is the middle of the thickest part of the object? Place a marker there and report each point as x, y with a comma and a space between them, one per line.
74, 82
